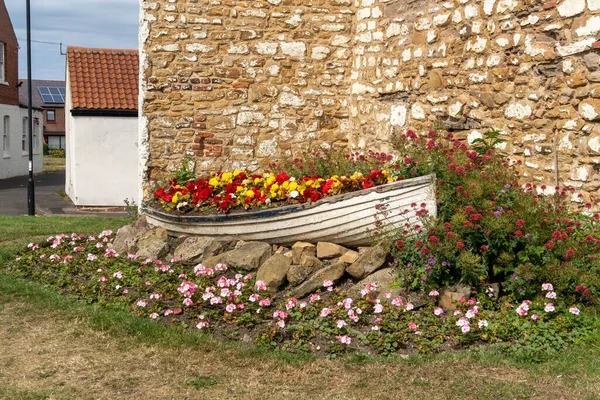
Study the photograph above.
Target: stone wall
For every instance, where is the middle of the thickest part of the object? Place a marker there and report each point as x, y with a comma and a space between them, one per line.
232, 82
528, 68
236, 83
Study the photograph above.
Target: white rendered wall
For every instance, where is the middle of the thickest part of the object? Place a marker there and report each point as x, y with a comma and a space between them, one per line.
102, 160
15, 162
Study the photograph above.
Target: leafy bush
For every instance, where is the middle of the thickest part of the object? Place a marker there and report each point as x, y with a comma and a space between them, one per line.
46, 149
57, 153
490, 229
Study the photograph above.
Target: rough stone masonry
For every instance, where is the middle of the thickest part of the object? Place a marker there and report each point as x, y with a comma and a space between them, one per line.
233, 83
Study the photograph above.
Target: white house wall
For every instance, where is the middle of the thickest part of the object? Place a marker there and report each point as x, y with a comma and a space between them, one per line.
102, 163
15, 162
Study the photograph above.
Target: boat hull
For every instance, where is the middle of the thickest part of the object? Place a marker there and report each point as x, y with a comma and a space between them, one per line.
349, 219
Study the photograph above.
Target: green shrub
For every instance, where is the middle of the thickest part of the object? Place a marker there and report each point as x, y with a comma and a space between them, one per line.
489, 228
57, 153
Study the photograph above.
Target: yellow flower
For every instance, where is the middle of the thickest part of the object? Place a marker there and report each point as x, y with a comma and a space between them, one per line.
236, 172
175, 198
214, 182
227, 177
239, 189
293, 186
249, 193
270, 180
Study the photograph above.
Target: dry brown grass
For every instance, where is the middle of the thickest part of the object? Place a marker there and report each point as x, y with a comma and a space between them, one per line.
52, 164
45, 356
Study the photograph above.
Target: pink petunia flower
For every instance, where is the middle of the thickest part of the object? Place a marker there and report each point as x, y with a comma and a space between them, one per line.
345, 339
574, 310
340, 323
549, 307
434, 293
413, 326
438, 311
547, 286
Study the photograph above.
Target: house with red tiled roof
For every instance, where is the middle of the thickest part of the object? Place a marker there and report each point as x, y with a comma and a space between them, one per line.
101, 123
14, 119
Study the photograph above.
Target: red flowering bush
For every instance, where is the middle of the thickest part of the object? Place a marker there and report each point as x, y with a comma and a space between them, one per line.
491, 229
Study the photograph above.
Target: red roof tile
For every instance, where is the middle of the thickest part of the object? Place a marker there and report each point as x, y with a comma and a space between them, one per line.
103, 79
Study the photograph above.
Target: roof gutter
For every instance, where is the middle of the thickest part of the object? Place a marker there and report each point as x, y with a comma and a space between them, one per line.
85, 112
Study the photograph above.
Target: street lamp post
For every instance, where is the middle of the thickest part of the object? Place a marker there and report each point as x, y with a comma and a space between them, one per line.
30, 181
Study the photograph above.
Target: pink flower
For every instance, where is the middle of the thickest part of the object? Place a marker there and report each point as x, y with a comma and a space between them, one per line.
462, 321
314, 298
213, 300
154, 315
281, 323
438, 311
344, 339
230, 307
280, 314
471, 312
340, 323
547, 286
291, 303
413, 326
187, 302
102, 279
168, 312
125, 291
131, 256
409, 306
434, 293
551, 295
482, 324
387, 295
118, 275
465, 328
260, 285
202, 324
155, 296
549, 307
141, 303
375, 328
253, 297
264, 303
574, 310
91, 257
327, 283
456, 312
220, 267
324, 312
397, 301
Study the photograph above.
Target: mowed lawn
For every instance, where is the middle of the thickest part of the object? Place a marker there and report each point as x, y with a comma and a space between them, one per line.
56, 347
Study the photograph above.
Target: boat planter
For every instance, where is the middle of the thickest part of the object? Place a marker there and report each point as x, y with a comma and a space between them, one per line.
347, 219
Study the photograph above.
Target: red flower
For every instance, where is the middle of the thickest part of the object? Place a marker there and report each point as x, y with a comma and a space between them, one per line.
460, 245
484, 247
433, 239
518, 233
520, 223
400, 244
569, 254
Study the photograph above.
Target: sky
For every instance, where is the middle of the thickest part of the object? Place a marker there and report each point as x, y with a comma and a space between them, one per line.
87, 23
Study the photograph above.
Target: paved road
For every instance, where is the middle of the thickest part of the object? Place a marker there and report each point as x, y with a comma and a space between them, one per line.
48, 185
13, 194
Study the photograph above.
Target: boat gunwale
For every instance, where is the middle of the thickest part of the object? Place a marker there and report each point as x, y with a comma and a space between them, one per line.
283, 210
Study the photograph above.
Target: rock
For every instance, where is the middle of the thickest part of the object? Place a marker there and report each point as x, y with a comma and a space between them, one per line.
326, 250
452, 295
305, 245
127, 236
298, 252
368, 262
307, 265
310, 262
298, 274
249, 256
196, 248
384, 279
153, 244
332, 272
349, 257
274, 271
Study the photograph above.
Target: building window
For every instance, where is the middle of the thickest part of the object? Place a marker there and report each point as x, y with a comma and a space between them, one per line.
24, 135
6, 135
2, 58
50, 116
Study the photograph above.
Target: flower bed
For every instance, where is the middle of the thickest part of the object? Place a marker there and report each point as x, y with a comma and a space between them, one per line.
223, 191
234, 305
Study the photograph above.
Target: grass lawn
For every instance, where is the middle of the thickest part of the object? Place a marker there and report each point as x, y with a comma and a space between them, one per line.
52, 164
56, 347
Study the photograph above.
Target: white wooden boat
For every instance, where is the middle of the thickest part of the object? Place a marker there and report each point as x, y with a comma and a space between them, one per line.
347, 219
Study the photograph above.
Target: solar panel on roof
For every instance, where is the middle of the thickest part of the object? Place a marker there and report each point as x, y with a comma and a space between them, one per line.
52, 94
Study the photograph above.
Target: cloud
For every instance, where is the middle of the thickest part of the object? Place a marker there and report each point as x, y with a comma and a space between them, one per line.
88, 23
